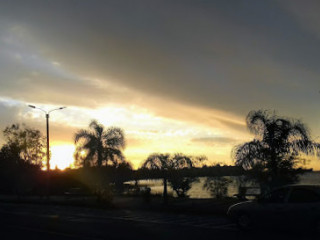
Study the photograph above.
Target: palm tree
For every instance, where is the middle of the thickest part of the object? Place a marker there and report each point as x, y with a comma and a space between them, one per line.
160, 162
99, 145
166, 164
276, 149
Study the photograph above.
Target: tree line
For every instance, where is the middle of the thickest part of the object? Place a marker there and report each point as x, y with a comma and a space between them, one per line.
271, 159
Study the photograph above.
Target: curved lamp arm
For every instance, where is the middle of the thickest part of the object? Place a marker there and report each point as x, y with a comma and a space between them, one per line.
32, 106
60, 108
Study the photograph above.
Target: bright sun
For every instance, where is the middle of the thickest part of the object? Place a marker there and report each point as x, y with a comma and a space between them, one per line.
62, 156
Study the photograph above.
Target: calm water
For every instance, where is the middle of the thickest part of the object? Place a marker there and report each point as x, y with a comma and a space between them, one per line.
197, 190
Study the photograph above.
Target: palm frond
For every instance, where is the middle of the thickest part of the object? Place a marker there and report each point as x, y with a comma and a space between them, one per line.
257, 120
114, 156
82, 134
299, 130
157, 161
180, 161
97, 128
114, 137
248, 154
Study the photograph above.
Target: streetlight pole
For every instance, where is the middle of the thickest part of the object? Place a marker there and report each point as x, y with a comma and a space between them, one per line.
48, 145
47, 124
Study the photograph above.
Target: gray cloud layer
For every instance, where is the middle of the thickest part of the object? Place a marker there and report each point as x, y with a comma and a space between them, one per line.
228, 55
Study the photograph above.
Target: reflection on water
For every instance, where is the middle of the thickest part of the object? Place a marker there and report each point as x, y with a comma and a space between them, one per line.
197, 191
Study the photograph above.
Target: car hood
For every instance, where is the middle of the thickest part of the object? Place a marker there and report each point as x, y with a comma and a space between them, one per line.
242, 206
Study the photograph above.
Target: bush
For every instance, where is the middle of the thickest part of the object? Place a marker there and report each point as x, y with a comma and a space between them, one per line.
104, 196
218, 186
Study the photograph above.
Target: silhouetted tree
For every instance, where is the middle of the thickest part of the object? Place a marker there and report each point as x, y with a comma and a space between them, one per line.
158, 161
9, 162
169, 166
123, 172
21, 158
218, 186
177, 179
98, 146
274, 153
27, 141
16, 174
180, 184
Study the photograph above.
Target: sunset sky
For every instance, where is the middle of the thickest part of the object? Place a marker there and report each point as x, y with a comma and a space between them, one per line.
177, 76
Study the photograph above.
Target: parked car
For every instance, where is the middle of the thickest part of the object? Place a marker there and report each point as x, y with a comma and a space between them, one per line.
290, 205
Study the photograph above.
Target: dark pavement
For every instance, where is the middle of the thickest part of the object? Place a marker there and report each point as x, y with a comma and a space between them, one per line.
28, 221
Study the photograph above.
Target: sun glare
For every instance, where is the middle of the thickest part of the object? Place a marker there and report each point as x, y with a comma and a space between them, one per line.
62, 156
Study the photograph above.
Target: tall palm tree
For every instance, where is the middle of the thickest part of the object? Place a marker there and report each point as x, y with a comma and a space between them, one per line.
100, 145
276, 148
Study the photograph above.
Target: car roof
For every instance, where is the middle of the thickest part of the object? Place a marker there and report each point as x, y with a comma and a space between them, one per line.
304, 185
310, 186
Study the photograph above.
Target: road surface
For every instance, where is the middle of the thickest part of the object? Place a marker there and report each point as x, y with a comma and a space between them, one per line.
27, 221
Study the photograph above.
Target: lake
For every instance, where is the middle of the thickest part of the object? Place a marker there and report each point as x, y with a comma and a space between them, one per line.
197, 190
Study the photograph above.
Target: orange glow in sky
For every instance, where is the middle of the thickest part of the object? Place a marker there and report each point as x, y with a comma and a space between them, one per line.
62, 156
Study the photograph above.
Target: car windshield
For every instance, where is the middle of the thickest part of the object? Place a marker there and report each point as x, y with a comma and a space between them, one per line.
276, 196
303, 195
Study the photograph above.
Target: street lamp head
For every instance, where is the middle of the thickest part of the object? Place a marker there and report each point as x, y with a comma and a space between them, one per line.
62, 108
31, 106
